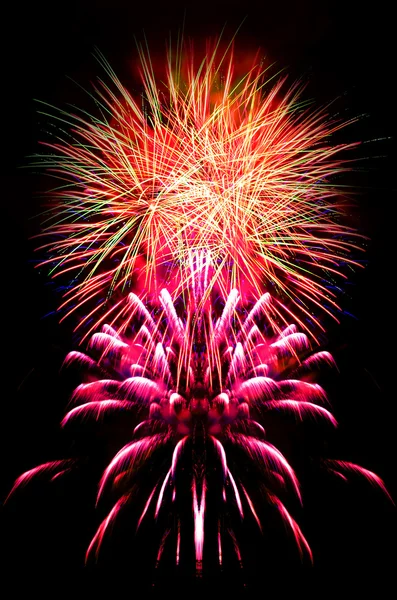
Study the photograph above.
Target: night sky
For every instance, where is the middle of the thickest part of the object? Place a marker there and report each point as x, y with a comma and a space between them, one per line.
344, 51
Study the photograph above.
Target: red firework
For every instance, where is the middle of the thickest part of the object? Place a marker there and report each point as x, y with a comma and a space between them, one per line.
211, 161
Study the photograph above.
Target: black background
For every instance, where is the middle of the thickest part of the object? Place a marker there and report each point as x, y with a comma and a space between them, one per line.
345, 51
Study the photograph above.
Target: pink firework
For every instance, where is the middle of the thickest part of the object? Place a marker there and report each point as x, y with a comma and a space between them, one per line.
199, 384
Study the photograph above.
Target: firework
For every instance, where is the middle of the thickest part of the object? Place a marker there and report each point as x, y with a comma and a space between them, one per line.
207, 160
199, 385
201, 229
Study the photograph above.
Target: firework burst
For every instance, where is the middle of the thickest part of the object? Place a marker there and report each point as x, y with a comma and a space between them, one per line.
199, 390
206, 159
201, 228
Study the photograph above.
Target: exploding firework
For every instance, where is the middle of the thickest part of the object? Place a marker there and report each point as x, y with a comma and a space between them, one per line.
199, 381
207, 160
197, 226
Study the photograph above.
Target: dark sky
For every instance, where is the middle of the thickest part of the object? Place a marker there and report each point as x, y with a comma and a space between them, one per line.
345, 50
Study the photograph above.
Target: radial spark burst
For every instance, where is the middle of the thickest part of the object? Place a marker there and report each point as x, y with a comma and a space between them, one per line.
197, 222
199, 380
205, 158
